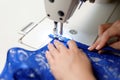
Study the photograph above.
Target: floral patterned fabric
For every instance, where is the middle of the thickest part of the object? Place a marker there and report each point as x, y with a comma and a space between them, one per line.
23, 64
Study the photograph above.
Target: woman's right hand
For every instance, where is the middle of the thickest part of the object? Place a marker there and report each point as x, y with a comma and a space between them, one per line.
105, 33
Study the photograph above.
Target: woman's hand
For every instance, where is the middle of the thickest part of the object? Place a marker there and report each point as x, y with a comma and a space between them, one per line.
105, 33
68, 64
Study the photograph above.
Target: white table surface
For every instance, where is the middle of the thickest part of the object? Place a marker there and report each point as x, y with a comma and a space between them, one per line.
14, 15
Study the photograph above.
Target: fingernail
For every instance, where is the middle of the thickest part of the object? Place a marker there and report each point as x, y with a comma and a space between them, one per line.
89, 48
98, 47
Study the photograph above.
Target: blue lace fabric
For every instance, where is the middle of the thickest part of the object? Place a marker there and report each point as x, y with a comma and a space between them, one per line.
22, 64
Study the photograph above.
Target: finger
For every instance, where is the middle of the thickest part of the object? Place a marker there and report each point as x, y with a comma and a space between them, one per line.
52, 49
72, 45
49, 57
116, 45
102, 42
101, 31
103, 28
59, 46
110, 32
94, 45
105, 38
114, 30
116, 27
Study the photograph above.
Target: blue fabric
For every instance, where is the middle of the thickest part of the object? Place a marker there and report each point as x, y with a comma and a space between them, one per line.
24, 64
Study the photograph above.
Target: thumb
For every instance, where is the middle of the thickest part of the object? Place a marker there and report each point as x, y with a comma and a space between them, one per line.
115, 45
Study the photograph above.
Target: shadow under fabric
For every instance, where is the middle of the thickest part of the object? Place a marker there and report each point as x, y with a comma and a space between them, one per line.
23, 64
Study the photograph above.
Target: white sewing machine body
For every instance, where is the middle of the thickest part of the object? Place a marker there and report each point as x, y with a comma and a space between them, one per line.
82, 26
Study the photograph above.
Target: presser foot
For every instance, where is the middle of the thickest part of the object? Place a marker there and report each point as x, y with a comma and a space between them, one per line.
58, 31
60, 38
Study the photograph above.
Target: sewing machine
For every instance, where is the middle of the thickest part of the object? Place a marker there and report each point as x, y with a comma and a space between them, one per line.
62, 10
81, 20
